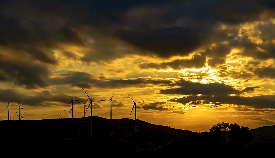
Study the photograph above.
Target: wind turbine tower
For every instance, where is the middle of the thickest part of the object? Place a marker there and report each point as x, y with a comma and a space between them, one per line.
111, 110
91, 104
19, 114
85, 106
134, 106
19, 111
72, 101
8, 110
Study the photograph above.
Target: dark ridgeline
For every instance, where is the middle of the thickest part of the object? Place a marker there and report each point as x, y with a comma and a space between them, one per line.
67, 137
53, 136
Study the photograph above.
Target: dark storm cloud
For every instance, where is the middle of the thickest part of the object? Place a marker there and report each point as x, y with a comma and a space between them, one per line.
218, 54
245, 73
69, 54
263, 51
80, 79
26, 47
82, 85
155, 106
197, 61
117, 104
250, 89
37, 99
189, 88
23, 72
162, 28
267, 72
182, 41
179, 112
261, 120
96, 106
34, 38
217, 94
33, 29
256, 102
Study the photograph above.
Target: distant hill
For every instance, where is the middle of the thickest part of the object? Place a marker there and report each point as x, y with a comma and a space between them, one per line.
52, 134
71, 136
263, 131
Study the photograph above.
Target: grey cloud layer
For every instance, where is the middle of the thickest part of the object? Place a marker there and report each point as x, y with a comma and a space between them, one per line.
37, 99
197, 61
218, 93
86, 80
189, 88
32, 29
256, 102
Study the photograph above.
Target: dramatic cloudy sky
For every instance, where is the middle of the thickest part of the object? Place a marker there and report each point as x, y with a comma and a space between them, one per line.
194, 63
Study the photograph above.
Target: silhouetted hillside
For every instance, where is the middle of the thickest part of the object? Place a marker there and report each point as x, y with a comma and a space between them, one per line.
67, 137
53, 135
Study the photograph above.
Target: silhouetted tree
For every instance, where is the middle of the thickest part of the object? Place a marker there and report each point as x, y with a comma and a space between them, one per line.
233, 134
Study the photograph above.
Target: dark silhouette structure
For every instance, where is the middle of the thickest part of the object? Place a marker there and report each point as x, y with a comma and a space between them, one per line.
111, 109
55, 137
232, 134
135, 106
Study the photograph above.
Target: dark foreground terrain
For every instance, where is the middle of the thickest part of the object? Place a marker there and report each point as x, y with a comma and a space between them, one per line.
68, 137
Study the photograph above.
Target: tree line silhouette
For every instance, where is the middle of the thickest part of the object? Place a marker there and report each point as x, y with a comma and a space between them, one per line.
222, 140
231, 134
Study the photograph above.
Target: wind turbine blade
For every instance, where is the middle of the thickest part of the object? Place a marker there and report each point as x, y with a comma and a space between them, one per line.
70, 96
132, 110
86, 93
131, 98
112, 96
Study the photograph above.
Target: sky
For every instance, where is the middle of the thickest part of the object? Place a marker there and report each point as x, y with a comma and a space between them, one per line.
190, 63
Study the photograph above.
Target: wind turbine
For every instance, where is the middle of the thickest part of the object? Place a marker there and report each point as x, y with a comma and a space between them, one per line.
85, 106
8, 110
72, 101
111, 112
111, 102
91, 104
22, 116
134, 106
19, 115
72, 109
